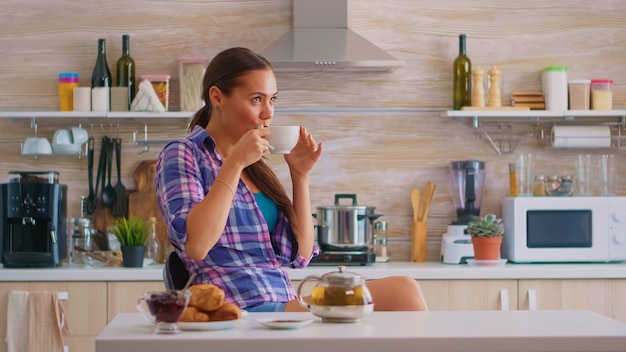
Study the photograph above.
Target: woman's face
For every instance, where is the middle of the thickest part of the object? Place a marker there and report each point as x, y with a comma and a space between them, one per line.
252, 102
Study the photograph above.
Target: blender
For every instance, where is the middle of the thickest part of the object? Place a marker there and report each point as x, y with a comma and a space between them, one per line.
467, 179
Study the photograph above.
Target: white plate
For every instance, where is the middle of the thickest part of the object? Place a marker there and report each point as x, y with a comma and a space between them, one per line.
474, 262
284, 324
211, 325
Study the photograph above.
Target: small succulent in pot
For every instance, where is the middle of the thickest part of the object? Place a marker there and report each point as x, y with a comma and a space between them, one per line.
130, 231
486, 226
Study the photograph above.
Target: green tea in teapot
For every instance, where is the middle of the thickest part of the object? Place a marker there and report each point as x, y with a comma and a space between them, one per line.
340, 296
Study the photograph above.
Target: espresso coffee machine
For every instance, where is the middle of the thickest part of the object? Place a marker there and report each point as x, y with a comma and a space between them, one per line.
467, 179
33, 208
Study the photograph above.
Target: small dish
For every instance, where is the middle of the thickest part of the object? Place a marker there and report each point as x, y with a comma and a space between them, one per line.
208, 326
284, 324
474, 262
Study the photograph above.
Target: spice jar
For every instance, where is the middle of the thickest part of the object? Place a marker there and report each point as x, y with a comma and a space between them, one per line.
539, 189
380, 241
190, 73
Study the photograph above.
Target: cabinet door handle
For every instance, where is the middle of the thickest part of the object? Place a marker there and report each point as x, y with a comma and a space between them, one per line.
532, 299
504, 299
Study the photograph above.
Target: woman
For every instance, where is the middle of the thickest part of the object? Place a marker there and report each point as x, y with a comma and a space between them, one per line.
228, 216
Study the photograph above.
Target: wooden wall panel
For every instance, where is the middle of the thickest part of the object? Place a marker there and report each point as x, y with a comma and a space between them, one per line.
378, 156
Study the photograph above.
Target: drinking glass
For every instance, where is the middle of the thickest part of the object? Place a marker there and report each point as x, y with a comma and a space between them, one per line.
525, 174
607, 175
584, 176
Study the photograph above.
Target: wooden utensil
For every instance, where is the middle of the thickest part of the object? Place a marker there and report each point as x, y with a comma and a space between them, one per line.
415, 202
427, 197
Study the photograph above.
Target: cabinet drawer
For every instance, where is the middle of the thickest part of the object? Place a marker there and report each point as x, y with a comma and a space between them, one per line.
470, 294
85, 305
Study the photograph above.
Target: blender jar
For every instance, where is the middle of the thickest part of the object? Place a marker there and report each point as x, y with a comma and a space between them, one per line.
467, 179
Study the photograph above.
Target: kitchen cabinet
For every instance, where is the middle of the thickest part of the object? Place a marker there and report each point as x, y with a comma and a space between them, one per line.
122, 296
602, 295
85, 308
470, 294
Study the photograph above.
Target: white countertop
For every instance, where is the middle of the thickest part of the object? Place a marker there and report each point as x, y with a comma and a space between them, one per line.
461, 331
419, 271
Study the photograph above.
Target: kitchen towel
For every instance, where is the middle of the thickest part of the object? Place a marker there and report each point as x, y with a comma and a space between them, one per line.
17, 321
581, 136
47, 323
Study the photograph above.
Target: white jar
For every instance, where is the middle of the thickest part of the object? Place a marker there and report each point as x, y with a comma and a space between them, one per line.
554, 84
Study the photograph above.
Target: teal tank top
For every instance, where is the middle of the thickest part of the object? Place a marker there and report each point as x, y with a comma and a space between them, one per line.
268, 209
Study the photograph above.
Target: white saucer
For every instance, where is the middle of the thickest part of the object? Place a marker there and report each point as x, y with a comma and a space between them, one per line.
474, 262
284, 324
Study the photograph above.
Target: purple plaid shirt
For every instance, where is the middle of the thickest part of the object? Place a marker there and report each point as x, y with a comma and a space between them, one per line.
246, 262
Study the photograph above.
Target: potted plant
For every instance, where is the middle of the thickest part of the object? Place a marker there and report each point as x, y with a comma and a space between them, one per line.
132, 234
486, 235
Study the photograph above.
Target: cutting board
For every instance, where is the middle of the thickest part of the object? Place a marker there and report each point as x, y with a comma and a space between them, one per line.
143, 202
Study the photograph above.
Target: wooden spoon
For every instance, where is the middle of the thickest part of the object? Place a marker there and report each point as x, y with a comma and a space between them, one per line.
429, 192
415, 202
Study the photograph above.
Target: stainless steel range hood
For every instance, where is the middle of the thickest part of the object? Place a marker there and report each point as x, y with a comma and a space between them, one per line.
320, 40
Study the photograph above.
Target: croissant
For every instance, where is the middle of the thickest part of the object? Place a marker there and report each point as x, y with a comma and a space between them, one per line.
192, 314
206, 297
228, 311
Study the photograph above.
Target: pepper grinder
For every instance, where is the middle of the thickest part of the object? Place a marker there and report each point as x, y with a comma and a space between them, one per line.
495, 96
478, 87
380, 242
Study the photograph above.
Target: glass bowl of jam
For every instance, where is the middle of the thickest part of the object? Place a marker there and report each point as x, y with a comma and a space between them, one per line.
164, 309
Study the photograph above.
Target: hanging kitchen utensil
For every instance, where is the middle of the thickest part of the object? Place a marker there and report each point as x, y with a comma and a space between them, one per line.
120, 208
108, 192
90, 202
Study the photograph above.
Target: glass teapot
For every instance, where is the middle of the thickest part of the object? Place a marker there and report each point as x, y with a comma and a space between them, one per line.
338, 296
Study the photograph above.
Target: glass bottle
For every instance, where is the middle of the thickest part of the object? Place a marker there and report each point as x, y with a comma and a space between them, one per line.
512, 180
152, 245
126, 70
101, 81
462, 77
380, 241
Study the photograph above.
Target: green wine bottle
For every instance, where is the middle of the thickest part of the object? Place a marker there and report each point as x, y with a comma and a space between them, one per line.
462, 80
126, 69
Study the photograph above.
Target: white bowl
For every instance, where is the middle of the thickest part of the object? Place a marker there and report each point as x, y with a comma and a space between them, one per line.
62, 137
79, 135
36, 146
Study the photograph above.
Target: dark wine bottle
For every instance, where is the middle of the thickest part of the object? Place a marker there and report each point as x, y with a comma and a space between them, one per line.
462, 80
101, 81
101, 76
126, 69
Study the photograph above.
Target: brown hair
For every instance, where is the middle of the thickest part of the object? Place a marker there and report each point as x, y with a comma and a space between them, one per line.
224, 72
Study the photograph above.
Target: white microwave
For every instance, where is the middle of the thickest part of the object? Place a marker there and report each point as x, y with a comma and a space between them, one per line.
564, 229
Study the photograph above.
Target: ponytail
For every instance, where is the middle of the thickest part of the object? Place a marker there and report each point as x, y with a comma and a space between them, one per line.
201, 117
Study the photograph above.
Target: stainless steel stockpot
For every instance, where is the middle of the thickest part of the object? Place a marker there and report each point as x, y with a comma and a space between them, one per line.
345, 226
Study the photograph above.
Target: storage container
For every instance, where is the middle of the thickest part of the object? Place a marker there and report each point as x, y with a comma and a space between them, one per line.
554, 85
190, 73
67, 82
579, 94
601, 94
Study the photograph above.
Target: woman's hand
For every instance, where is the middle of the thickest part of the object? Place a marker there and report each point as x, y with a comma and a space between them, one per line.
251, 146
304, 155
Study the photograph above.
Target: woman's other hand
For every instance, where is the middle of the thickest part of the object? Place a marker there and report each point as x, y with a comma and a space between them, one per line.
304, 155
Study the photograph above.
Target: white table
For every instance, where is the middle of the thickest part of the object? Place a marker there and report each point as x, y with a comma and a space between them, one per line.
462, 331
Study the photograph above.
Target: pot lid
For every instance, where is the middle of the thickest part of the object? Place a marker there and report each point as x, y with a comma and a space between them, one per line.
343, 278
352, 206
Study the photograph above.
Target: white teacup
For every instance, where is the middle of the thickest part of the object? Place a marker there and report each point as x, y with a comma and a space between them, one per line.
283, 138
62, 136
79, 135
36, 146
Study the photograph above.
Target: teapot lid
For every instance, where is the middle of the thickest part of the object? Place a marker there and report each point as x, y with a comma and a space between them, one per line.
343, 278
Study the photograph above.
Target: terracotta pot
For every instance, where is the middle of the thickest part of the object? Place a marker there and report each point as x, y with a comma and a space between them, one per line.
487, 248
